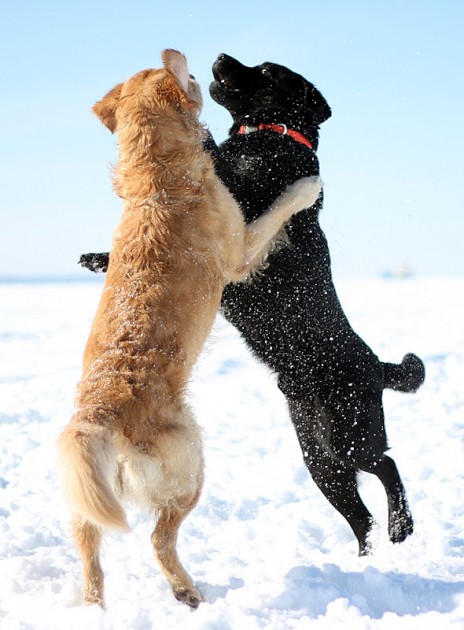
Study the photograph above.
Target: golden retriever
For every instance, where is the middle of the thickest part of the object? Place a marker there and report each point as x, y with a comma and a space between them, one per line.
180, 240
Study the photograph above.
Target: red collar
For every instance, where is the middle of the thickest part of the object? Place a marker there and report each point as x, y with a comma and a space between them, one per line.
282, 129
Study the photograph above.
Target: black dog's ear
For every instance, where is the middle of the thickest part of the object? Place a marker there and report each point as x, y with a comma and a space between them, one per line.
316, 103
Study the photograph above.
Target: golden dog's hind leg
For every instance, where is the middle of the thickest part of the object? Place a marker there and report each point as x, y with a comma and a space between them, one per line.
88, 538
164, 539
259, 234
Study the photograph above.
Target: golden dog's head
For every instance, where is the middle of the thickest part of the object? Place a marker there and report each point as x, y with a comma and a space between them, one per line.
170, 88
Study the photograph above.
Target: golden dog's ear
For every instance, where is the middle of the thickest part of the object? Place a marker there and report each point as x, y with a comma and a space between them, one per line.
106, 108
176, 62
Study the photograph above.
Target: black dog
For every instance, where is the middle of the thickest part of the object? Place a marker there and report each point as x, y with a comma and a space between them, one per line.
290, 316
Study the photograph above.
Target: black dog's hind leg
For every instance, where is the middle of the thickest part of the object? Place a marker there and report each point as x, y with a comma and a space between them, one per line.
339, 485
335, 479
400, 521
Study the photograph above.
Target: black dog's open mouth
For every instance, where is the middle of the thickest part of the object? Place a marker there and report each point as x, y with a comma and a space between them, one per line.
222, 87
223, 84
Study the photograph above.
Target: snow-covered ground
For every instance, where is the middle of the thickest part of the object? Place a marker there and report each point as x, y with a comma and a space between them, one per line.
264, 546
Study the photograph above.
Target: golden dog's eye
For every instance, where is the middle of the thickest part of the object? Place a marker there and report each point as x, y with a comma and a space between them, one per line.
192, 77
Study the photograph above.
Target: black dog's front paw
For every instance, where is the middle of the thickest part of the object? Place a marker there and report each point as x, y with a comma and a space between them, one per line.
98, 263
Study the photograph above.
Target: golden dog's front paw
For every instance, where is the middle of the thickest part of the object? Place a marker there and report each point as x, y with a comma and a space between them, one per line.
304, 192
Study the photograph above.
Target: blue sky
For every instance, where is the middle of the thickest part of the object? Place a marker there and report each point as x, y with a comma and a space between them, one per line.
391, 156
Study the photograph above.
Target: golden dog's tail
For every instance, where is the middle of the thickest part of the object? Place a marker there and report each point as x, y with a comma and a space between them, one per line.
88, 470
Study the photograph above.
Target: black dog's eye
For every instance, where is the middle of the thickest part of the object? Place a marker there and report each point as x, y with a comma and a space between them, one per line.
266, 73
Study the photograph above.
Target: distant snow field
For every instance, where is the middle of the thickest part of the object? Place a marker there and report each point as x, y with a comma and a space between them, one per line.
264, 546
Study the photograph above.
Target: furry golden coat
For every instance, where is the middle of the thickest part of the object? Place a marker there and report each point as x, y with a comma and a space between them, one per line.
181, 239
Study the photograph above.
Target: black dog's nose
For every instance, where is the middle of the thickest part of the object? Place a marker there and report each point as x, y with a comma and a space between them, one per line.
226, 63
223, 58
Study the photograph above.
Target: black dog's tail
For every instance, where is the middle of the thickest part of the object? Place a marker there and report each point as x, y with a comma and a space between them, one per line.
407, 376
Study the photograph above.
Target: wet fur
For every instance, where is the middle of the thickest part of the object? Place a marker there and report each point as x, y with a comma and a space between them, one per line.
181, 239
290, 315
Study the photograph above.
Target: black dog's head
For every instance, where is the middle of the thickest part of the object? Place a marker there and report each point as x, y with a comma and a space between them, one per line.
268, 89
